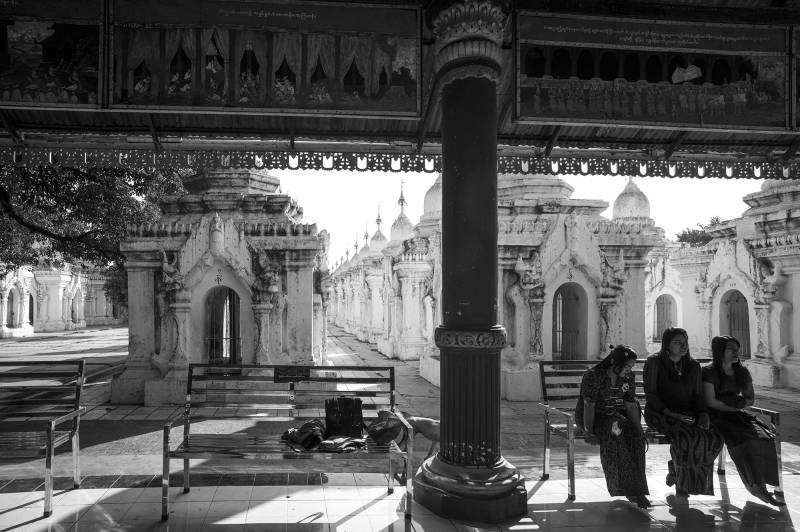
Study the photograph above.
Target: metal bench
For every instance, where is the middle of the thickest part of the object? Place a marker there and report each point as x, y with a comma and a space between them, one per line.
284, 396
39, 397
561, 382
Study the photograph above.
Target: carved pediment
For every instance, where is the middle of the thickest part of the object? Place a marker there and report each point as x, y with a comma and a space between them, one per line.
215, 239
570, 245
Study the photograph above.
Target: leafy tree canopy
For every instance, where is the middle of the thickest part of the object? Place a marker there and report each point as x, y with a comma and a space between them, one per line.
701, 236
74, 215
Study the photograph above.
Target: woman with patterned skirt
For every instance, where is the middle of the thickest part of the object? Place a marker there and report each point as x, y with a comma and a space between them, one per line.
608, 413
676, 407
751, 443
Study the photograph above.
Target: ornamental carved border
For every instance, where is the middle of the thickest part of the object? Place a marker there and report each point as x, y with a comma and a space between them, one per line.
492, 339
470, 29
147, 160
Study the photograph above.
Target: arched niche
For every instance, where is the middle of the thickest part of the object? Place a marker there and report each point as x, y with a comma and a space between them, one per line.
561, 65
11, 309
535, 63
220, 275
665, 315
222, 334
734, 319
570, 319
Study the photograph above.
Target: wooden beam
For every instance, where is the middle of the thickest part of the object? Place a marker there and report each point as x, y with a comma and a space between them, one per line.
12, 131
676, 141
154, 133
792, 149
551, 142
422, 130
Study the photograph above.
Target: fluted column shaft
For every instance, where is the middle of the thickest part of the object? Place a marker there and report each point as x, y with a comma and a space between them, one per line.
468, 478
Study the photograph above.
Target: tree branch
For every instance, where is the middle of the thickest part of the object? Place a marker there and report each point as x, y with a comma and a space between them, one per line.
7, 207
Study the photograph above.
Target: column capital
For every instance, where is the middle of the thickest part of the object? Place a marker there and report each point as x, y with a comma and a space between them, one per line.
469, 35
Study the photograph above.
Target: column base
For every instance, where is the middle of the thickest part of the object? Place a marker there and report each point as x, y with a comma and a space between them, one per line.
764, 372
463, 497
410, 348
520, 384
429, 367
170, 390
128, 387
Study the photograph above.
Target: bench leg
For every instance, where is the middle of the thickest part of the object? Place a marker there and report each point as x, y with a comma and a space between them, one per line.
76, 460
186, 475
546, 450
721, 461
409, 474
779, 489
165, 479
389, 484
48, 474
571, 460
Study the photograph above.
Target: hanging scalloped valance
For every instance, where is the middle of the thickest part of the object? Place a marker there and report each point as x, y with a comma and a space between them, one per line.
148, 160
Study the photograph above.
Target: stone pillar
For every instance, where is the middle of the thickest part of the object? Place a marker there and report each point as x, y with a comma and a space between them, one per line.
25, 307
634, 297
80, 319
300, 312
129, 387
261, 316
411, 342
3, 313
375, 283
318, 339
469, 479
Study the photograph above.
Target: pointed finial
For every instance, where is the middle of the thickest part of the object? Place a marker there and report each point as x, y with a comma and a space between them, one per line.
366, 235
378, 220
347, 254
402, 200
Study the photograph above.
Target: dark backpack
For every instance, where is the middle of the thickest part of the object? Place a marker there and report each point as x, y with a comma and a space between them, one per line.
385, 428
343, 417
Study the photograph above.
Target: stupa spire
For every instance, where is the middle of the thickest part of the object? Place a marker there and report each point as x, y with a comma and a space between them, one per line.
402, 200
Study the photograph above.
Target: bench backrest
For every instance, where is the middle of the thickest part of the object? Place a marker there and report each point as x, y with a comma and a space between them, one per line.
40, 389
561, 380
284, 392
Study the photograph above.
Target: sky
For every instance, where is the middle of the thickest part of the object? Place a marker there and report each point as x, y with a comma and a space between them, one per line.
347, 203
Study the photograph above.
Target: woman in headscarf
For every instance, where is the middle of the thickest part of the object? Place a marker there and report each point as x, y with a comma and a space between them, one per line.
751, 443
609, 415
676, 407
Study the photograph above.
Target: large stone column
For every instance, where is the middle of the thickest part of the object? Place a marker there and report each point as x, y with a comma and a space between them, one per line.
469, 479
129, 387
300, 312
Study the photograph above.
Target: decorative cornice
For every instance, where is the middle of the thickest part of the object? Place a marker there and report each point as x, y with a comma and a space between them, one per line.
491, 339
633, 163
468, 39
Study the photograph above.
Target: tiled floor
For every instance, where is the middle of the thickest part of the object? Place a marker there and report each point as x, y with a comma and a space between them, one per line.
359, 503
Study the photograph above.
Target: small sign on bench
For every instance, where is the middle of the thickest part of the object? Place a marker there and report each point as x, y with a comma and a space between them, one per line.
292, 373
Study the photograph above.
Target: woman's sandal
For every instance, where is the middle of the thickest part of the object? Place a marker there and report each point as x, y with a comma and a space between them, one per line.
640, 500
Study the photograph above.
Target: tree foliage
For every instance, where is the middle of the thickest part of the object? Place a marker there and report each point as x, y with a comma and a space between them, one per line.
74, 215
701, 236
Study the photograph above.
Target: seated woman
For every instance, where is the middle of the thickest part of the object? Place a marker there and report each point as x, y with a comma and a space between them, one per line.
728, 390
676, 407
609, 415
